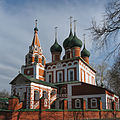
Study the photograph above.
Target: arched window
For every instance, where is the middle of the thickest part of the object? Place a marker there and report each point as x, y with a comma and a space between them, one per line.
63, 90
68, 55
93, 103
59, 76
50, 78
53, 92
45, 94
71, 75
36, 95
36, 58
43, 60
77, 103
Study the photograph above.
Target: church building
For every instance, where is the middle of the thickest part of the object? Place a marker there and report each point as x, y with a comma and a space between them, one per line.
71, 78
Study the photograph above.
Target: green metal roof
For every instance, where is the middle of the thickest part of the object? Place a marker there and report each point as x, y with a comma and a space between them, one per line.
31, 79
68, 82
4, 100
11, 97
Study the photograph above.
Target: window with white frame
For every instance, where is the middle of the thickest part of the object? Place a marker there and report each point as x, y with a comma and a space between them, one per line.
109, 103
71, 75
53, 92
68, 55
86, 78
22, 97
50, 78
59, 76
45, 94
93, 103
83, 76
77, 103
90, 79
36, 95
63, 90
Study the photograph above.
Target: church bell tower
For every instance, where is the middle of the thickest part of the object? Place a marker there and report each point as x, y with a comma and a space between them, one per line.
34, 60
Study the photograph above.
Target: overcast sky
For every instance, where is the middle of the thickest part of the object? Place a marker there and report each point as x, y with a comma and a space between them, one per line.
17, 21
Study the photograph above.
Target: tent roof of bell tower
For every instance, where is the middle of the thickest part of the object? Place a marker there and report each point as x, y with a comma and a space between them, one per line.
35, 38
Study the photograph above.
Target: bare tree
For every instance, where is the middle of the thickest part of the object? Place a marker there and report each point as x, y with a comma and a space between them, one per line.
109, 28
101, 70
4, 94
4, 99
114, 76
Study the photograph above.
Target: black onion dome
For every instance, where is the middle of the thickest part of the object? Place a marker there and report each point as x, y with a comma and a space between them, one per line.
85, 52
67, 40
75, 42
56, 47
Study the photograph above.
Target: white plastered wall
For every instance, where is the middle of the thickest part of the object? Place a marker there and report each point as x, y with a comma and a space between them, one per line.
60, 67
39, 87
80, 65
87, 71
112, 98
